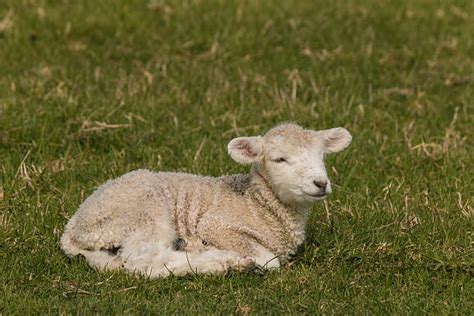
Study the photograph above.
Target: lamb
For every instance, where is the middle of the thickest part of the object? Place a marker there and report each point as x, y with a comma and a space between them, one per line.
163, 223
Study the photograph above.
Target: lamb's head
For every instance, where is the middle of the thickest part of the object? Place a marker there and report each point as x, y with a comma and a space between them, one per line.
291, 159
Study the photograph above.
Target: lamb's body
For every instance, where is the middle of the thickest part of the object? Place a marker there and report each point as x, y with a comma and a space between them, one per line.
158, 223
143, 213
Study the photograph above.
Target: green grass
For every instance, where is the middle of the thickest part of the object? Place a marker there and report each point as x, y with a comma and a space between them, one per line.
179, 79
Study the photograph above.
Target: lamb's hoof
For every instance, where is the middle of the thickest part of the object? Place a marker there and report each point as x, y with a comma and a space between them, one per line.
241, 264
213, 268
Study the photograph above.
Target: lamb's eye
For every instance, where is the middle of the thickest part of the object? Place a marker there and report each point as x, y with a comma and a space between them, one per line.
280, 160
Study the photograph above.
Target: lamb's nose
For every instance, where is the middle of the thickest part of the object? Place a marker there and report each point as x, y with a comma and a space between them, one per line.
321, 184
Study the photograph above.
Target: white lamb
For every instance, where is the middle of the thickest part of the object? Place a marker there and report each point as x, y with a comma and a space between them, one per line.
162, 223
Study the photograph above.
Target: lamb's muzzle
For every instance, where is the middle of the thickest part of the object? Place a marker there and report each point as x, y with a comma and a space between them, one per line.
321, 185
162, 223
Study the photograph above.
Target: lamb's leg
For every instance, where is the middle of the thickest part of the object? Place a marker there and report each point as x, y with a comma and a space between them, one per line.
101, 259
161, 260
265, 259
235, 241
211, 261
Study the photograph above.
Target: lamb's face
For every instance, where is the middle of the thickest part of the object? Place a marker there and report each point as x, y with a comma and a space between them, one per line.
292, 160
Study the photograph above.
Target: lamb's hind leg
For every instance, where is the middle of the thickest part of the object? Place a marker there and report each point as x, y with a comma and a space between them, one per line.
96, 256
102, 259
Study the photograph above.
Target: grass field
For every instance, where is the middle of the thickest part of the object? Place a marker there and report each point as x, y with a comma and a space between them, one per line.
92, 89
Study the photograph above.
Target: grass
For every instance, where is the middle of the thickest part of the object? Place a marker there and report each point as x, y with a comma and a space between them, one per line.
92, 89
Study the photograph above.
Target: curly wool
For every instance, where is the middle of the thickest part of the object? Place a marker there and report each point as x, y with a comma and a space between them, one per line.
219, 211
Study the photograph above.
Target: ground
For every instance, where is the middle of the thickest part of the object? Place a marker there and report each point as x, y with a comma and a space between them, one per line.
92, 89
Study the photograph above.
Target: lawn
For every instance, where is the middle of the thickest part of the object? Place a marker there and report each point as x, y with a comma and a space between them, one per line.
92, 89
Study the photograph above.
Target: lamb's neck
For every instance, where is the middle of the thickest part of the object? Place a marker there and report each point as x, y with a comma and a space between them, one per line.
293, 219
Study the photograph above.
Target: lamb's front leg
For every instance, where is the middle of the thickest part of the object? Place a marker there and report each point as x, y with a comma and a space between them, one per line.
265, 259
210, 261
160, 259
170, 262
231, 240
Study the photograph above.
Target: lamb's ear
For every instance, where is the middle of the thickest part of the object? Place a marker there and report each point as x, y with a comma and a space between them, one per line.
335, 139
246, 150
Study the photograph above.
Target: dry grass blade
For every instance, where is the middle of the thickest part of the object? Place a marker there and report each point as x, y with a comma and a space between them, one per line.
127, 289
74, 289
198, 151
211, 53
452, 142
454, 81
7, 22
88, 127
398, 92
466, 210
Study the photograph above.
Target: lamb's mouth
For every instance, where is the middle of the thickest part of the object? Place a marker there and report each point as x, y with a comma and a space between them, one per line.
317, 196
